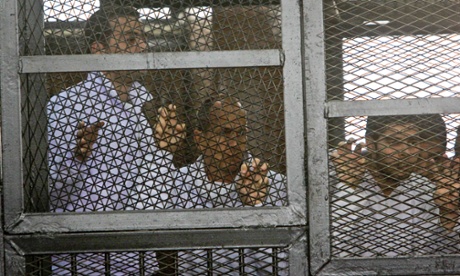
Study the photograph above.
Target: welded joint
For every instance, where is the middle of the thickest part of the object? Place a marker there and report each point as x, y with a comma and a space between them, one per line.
10, 227
299, 214
282, 57
48, 229
15, 249
326, 110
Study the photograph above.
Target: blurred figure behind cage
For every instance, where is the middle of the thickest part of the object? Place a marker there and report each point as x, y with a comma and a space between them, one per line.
397, 199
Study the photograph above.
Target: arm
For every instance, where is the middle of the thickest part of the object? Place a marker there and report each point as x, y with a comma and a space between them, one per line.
67, 173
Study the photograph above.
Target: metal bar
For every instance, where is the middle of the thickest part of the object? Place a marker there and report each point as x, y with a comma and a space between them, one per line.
440, 265
152, 240
34, 99
193, 3
314, 80
107, 263
11, 110
241, 261
209, 262
392, 107
293, 104
298, 252
15, 262
148, 220
164, 60
350, 31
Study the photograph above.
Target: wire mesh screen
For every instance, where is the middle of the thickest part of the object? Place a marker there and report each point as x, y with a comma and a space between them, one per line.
393, 188
231, 261
388, 50
124, 140
393, 179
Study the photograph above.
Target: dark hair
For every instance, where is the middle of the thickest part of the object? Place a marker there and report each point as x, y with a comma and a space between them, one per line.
203, 118
431, 126
98, 28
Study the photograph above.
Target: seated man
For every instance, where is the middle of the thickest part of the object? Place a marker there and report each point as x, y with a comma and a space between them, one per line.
385, 206
224, 176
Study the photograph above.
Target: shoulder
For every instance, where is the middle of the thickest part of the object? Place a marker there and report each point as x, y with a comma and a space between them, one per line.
72, 93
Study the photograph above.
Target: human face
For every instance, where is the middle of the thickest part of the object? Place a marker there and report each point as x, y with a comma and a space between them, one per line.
431, 149
127, 37
223, 145
396, 151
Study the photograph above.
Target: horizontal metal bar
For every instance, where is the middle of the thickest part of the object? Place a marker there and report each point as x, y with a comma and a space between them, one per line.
157, 220
190, 3
163, 60
148, 240
349, 31
392, 107
442, 265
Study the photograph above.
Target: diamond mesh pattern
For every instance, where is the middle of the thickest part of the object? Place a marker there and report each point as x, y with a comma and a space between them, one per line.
393, 195
117, 143
248, 261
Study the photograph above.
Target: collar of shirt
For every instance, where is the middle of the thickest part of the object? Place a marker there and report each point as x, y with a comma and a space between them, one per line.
138, 94
415, 183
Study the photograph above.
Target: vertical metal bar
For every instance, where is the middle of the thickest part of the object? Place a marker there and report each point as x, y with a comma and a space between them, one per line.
107, 264
73, 264
15, 263
298, 263
314, 80
293, 103
11, 109
141, 263
34, 113
275, 260
209, 261
292, 45
334, 81
241, 261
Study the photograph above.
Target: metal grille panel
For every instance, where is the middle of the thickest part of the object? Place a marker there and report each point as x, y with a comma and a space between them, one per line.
248, 261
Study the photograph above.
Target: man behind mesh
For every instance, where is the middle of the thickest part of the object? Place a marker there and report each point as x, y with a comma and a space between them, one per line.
396, 200
102, 148
98, 133
224, 176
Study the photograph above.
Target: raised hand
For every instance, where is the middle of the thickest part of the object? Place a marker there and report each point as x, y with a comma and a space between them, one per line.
86, 136
253, 183
446, 196
350, 165
169, 133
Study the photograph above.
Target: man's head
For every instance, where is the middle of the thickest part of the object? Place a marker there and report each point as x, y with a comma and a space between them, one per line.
221, 136
399, 144
115, 29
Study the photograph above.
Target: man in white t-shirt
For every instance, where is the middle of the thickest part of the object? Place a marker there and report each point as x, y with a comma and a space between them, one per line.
394, 200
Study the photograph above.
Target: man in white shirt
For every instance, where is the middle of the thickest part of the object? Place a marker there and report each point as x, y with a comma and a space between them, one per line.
225, 176
101, 147
382, 205
98, 133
